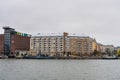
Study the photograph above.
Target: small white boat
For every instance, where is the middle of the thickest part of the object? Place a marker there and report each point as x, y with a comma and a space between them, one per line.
109, 57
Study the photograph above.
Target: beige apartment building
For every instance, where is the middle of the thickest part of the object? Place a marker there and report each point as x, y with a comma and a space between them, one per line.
83, 45
80, 45
62, 45
48, 45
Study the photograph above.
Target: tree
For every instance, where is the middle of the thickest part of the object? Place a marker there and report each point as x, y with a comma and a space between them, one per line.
118, 52
95, 52
17, 54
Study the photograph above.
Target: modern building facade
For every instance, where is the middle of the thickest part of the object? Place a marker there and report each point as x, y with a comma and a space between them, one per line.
13, 42
62, 45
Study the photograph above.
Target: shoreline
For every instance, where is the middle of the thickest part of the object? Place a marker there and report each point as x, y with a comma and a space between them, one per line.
66, 58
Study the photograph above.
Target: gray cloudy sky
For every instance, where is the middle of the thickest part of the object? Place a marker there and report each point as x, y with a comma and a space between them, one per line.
95, 18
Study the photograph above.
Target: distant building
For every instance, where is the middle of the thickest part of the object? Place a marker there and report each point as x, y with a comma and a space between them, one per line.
117, 50
108, 49
14, 42
62, 45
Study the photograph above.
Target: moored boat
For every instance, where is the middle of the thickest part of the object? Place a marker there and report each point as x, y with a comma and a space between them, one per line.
110, 57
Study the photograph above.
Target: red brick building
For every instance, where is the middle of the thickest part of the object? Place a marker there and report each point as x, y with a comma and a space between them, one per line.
19, 43
1, 44
12, 42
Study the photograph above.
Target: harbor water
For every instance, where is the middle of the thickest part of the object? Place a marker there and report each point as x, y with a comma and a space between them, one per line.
23, 69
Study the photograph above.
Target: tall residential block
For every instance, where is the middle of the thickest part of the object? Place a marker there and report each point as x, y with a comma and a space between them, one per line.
48, 45
62, 45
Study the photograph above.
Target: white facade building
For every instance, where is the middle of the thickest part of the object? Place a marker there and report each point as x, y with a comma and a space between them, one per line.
107, 49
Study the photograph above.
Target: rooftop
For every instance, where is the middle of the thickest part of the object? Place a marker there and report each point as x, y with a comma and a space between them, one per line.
58, 34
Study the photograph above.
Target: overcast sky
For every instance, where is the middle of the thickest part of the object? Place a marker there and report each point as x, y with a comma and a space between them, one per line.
99, 19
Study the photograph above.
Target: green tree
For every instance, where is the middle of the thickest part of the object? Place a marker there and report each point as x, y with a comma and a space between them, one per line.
95, 52
17, 54
118, 52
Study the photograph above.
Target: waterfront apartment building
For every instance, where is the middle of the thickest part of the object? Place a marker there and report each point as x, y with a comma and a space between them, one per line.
13, 42
82, 45
48, 45
62, 45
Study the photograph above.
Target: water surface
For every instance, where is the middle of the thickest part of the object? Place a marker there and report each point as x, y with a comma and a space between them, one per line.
12, 69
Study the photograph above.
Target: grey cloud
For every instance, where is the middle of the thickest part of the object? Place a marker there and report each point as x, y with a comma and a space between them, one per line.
97, 18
